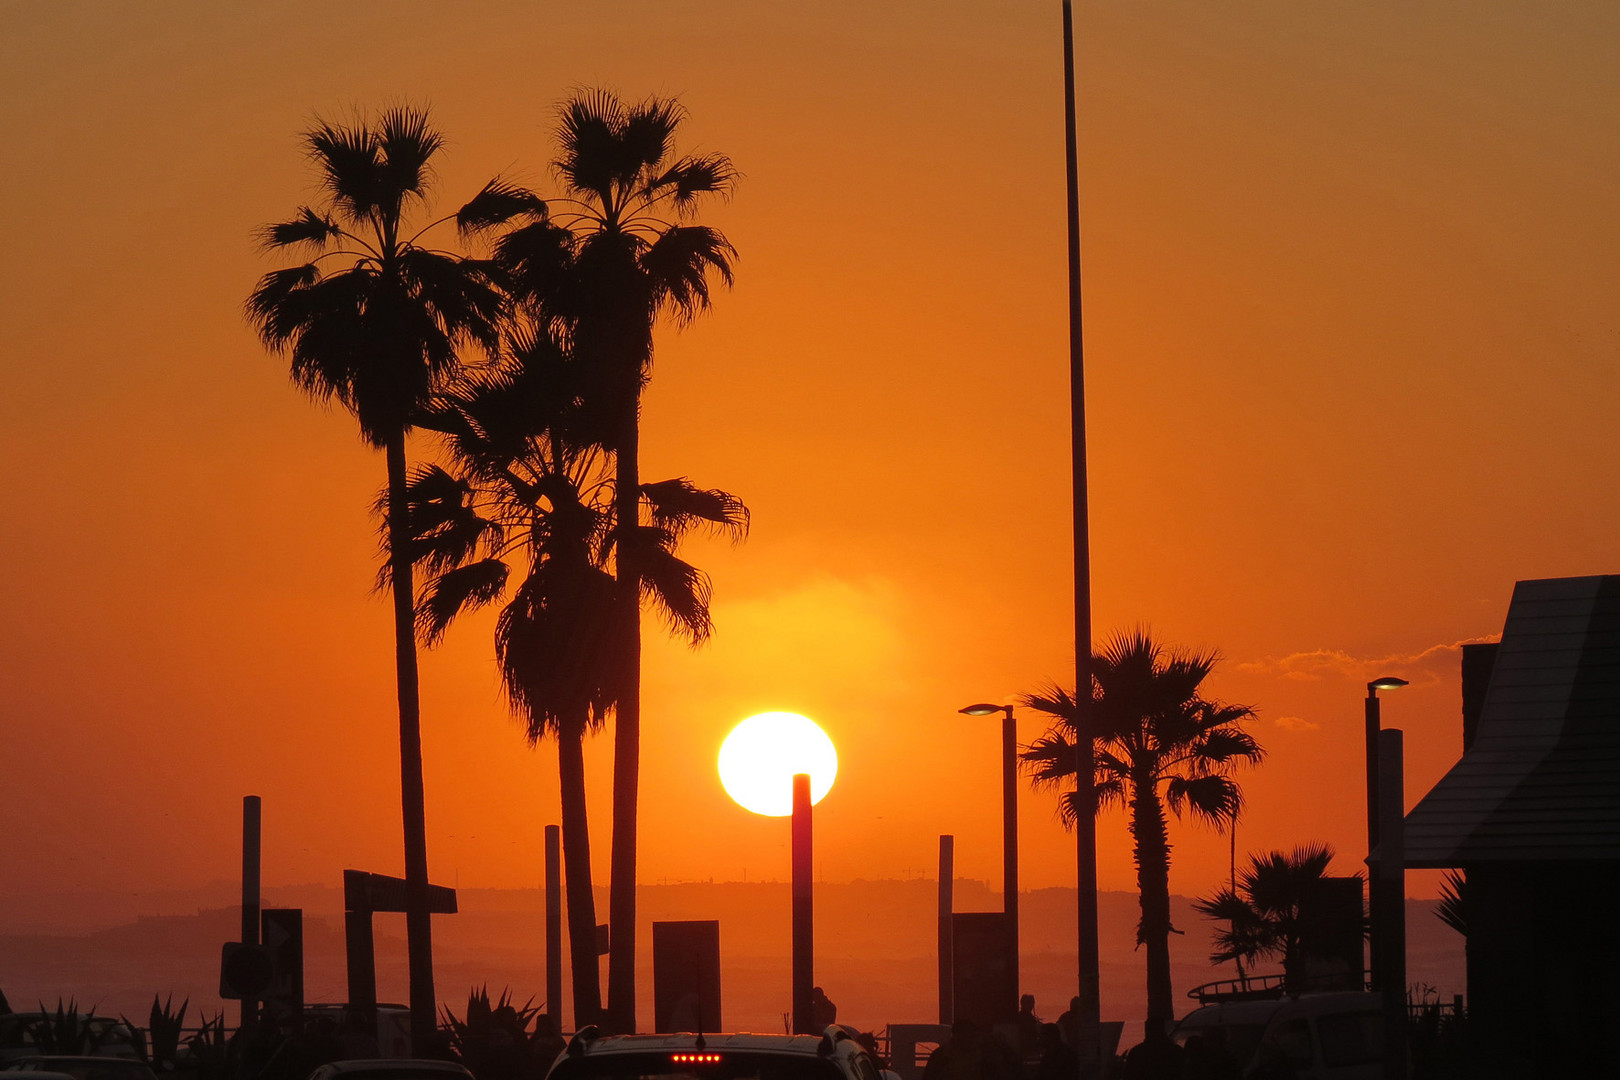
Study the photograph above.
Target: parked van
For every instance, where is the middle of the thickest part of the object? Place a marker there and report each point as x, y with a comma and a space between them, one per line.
1337, 1036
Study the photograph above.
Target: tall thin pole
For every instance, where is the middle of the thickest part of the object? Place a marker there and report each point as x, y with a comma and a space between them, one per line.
1009, 842
251, 847
1389, 900
554, 991
1085, 826
1373, 722
803, 912
947, 940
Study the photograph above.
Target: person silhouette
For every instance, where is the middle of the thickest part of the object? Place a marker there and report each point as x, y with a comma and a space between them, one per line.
1028, 1027
823, 1013
1069, 1022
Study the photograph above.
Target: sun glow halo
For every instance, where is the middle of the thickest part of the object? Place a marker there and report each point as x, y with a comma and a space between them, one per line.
760, 756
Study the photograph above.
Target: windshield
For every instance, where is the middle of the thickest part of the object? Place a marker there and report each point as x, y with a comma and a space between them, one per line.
728, 1065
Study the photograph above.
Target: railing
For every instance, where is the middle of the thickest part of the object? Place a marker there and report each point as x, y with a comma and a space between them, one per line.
1243, 988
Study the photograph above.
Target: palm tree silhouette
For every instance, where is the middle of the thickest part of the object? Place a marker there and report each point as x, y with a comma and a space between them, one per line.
616, 255
1267, 911
1159, 743
529, 487
377, 320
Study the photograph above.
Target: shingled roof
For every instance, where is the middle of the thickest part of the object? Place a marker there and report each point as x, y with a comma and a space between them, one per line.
1541, 780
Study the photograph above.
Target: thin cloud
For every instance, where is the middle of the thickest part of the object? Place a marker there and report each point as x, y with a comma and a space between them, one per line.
1433, 663
1295, 723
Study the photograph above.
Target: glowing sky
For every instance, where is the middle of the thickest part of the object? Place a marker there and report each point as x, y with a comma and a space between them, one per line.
1350, 280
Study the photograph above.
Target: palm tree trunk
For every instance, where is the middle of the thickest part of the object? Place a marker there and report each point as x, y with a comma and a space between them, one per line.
418, 922
1153, 884
626, 734
576, 841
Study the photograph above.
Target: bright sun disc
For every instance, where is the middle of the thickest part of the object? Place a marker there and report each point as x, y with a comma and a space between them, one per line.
760, 756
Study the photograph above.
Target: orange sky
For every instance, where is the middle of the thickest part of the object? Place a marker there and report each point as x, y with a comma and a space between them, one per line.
1350, 281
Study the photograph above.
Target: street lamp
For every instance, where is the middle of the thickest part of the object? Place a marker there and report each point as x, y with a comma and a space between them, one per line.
1009, 823
1387, 682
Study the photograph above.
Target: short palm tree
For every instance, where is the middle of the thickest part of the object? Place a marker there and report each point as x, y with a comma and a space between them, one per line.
1158, 744
528, 489
617, 254
378, 320
1267, 911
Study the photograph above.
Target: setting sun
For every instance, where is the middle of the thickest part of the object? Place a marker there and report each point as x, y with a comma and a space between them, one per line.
761, 755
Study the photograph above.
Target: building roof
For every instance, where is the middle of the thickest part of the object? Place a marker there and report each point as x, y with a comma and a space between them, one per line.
1541, 780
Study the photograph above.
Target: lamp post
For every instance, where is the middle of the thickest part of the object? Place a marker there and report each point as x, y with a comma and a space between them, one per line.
1387, 682
1009, 823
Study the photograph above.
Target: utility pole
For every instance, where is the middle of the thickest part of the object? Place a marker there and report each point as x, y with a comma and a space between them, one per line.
1085, 825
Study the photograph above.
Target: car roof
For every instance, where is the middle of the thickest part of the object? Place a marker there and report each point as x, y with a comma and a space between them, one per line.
417, 1066
81, 1059
741, 1040
1261, 1012
1232, 1012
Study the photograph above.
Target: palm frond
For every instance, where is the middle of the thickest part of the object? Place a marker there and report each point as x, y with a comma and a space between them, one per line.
539, 257
1225, 744
679, 264
679, 590
1054, 701
691, 177
275, 307
349, 159
1213, 799
1049, 760
1452, 908
463, 588
589, 133
647, 136
406, 142
307, 228
679, 505
500, 203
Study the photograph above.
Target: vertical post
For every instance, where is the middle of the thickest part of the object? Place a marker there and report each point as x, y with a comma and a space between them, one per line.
1390, 908
251, 819
947, 944
360, 953
1085, 826
803, 911
554, 927
1373, 810
1009, 843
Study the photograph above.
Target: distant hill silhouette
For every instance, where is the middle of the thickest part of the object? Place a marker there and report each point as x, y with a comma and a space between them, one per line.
875, 947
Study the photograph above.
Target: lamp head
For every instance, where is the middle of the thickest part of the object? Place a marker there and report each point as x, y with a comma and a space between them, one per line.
1387, 682
984, 709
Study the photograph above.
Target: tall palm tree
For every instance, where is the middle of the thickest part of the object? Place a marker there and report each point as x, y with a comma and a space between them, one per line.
617, 254
1159, 744
1267, 910
378, 320
530, 489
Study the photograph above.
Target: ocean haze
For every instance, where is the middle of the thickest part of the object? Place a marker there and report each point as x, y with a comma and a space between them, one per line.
875, 948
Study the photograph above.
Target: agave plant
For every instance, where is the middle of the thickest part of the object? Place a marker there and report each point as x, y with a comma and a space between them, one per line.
209, 1048
66, 1031
493, 1038
159, 1046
